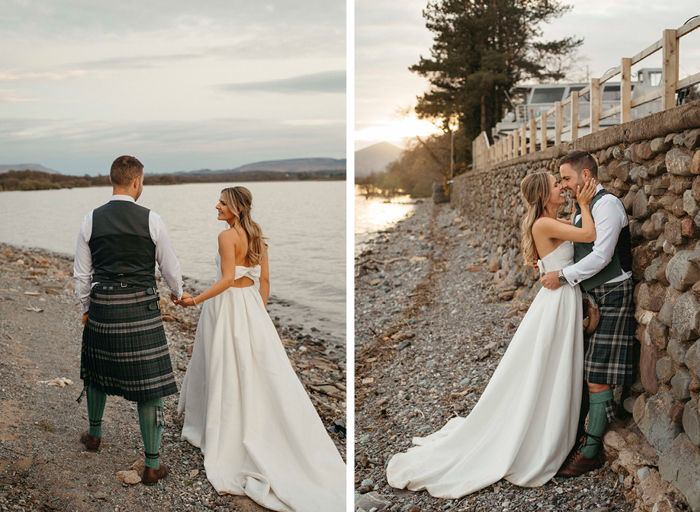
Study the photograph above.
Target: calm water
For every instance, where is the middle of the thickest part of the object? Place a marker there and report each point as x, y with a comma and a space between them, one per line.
305, 224
376, 214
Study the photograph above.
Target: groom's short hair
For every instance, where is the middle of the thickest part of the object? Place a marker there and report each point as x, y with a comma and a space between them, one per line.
124, 170
580, 160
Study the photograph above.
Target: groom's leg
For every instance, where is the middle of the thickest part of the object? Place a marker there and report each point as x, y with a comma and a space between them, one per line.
601, 401
151, 423
96, 401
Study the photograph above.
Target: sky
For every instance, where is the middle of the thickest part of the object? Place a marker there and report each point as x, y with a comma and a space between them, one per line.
390, 36
181, 85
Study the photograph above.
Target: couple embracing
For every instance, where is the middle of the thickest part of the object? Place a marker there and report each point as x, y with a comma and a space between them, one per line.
243, 404
528, 425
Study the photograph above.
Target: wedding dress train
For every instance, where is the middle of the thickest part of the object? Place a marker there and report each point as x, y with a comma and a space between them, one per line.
246, 409
525, 422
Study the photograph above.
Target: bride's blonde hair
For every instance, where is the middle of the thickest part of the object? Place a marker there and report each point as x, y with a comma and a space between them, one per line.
239, 201
536, 190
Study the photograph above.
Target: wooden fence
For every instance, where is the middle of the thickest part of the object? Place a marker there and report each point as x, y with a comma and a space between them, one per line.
516, 144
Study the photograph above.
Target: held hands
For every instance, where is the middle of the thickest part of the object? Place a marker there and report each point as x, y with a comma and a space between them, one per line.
185, 301
585, 195
550, 280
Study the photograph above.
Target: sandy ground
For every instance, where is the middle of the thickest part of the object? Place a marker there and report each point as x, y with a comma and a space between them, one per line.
44, 467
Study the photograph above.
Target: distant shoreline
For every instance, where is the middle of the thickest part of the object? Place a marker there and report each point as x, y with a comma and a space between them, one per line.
39, 180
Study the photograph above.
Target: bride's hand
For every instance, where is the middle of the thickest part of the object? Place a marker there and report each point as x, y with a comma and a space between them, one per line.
186, 301
585, 195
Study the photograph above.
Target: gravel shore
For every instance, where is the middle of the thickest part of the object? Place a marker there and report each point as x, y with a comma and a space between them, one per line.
44, 467
430, 330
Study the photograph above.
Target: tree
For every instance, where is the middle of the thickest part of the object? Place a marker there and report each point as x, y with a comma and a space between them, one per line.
481, 49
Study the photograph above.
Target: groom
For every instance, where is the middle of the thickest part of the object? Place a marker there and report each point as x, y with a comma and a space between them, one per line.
124, 350
604, 270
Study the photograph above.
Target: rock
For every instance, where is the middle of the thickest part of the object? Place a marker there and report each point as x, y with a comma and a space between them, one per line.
130, 477
680, 383
677, 351
628, 200
662, 430
689, 229
647, 368
658, 333
692, 139
676, 414
692, 358
644, 151
639, 414
640, 206
695, 163
628, 404
139, 466
642, 473
673, 231
678, 162
690, 205
680, 465
679, 184
691, 421
659, 145
681, 272
659, 220
665, 369
666, 314
678, 139
658, 166
695, 189
372, 500
650, 296
686, 317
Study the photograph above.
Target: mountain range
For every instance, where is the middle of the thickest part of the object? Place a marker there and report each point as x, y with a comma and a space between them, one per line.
26, 167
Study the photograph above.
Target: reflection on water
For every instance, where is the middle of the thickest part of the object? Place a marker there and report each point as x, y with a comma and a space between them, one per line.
304, 223
376, 214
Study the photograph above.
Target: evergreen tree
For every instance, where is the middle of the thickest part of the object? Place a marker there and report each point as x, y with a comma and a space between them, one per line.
481, 49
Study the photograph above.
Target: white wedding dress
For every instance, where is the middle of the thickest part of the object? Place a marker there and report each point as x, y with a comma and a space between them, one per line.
525, 423
246, 409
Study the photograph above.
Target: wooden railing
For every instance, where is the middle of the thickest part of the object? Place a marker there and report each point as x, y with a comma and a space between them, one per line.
515, 144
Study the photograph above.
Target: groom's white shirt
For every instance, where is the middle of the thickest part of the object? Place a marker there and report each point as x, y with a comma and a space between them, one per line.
165, 256
609, 217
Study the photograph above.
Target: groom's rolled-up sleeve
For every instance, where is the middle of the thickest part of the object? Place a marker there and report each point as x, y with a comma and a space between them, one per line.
82, 265
165, 254
609, 218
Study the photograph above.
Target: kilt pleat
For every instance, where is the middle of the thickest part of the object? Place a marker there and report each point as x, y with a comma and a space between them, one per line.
124, 349
609, 351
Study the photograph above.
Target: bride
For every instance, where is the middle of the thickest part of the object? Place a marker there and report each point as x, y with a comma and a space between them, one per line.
525, 422
244, 405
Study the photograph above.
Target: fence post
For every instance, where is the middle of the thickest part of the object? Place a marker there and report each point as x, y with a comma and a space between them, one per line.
574, 115
596, 104
523, 139
533, 135
512, 147
670, 68
543, 133
516, 143
558, 122
626, 91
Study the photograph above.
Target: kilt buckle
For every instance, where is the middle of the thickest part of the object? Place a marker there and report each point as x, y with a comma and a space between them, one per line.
123, 285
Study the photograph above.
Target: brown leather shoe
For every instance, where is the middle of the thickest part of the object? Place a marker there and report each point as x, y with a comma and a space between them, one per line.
92, 443
577, 464
151, 476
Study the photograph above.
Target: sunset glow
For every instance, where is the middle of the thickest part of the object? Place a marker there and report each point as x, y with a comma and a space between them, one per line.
395, 130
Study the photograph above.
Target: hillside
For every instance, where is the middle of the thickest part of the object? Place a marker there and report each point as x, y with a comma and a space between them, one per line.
26, 167
292, 165
375, 158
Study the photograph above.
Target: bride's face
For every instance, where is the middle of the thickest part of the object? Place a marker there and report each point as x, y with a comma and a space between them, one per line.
556, 192
225, 213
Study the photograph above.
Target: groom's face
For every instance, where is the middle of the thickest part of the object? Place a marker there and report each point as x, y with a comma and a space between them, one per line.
570, 179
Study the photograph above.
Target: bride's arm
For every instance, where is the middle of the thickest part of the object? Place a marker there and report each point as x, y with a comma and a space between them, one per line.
227, 250
546, 227
264, 278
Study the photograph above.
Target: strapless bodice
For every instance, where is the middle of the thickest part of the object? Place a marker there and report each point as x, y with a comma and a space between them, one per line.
561, 257
241, 271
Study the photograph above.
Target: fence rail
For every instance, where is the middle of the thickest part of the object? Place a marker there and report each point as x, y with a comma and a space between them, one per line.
515, 144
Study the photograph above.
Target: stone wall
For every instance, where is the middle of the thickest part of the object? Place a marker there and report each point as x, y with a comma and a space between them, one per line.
653, 166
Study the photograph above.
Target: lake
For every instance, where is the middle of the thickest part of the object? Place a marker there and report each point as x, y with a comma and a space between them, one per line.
303, 221
376, 214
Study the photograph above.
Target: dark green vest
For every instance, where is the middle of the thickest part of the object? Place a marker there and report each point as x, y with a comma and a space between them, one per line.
622, 257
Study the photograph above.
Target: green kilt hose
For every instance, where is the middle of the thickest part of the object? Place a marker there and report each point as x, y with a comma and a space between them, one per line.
124, 350
609, 352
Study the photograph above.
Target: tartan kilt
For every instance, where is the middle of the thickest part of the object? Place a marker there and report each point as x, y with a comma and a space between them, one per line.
124, 349
609, 351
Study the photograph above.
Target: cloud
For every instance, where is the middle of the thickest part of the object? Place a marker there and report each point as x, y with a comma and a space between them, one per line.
48, 75
137, 62
326, 82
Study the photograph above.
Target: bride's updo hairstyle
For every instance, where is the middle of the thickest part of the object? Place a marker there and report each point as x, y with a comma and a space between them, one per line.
535, 189
239, 201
